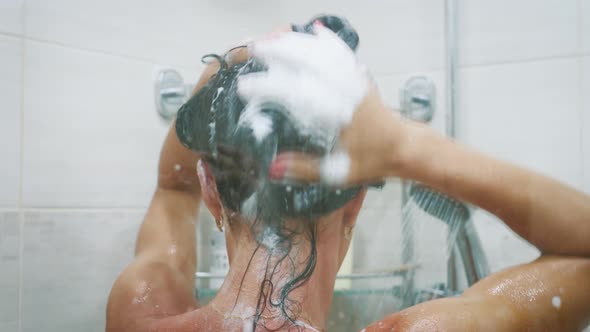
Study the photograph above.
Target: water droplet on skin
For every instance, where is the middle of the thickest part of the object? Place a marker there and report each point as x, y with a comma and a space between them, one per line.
556, 302
177, 167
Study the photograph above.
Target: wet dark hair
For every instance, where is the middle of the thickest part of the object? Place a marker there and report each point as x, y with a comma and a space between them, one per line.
210, 124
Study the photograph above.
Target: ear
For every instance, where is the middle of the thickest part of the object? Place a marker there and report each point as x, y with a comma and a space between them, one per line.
209, 189
352, 208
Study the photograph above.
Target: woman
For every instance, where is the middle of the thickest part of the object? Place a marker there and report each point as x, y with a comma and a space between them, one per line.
258, 163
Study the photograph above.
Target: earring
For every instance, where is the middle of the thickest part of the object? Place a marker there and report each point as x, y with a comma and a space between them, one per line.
348, 232
219, 222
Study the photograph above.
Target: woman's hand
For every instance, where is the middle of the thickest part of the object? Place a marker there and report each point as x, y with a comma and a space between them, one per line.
375, 145
318, 79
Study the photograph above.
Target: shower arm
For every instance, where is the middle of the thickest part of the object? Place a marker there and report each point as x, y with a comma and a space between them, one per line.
451, 67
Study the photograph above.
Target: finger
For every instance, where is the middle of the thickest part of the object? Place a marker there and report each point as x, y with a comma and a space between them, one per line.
295, 166
237, 55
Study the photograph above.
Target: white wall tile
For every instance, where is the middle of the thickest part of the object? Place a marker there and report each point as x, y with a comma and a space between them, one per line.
430, 247
586, 120
395, 36
71, 260
11, 52
9, 327
174, 32
369, 243
503, 248
585, 23
92, 134
527, 113
11, 16
505, 30
9, 265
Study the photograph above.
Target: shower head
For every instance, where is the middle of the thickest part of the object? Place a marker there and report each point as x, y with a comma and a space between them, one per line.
438, 204
458, 218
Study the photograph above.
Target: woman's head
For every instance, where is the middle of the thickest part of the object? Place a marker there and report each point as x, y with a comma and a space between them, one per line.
238, 142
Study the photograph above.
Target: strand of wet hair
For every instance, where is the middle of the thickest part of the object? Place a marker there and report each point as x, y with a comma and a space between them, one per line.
244, 276
262, 296
303, 277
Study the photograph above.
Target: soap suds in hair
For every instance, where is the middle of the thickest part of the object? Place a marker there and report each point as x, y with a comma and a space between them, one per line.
315, 77
212, 123
249, 206
259, 122
261, 126
269, 238
335, 167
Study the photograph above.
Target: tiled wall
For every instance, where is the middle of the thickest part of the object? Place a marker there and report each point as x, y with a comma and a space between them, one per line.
80, 135
522, 89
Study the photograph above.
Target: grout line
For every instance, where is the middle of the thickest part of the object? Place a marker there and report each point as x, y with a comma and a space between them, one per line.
580, 27
11, 35
483, 65
149, 61
524, 61
21, 250
582, 104
21, 217
155, 62
582, 107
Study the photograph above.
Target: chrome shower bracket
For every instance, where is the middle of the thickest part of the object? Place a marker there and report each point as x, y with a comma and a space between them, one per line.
170, 92
418, 99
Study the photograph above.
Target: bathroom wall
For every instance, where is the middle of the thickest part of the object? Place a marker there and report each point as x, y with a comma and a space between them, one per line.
524, 87
80, 135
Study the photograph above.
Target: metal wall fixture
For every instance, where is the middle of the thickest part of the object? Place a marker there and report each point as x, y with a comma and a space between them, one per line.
170, 93
418, 99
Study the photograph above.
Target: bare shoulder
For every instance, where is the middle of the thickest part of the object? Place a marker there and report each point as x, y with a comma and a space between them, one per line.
448, 314
146, 292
